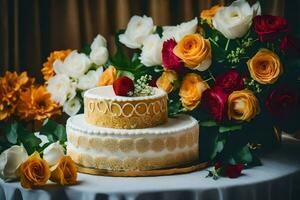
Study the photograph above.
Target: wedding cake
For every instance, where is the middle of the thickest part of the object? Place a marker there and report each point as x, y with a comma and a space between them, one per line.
130, 133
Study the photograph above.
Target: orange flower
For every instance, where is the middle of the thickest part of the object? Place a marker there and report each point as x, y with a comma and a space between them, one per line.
242, 105
47, 69
166, 81
265, 67
195, 51
191, 90
210, 13
108, 76
64, 172
10, 87
36, 104
34, 172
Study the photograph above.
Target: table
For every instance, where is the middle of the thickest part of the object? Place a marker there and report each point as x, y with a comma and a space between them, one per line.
278, 178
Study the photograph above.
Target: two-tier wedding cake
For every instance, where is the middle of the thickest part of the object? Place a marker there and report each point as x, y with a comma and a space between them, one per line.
130, 133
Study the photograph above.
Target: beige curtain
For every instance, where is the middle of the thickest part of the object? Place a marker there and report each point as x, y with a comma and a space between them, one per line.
31, 29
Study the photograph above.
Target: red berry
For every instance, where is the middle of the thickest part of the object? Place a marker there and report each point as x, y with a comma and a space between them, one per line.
123, 86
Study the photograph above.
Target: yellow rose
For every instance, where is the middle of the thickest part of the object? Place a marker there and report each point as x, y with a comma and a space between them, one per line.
242, 105
191, 90
265, 67
166, 81
210, 13
34, 171
64, 172
108, 76
195, 51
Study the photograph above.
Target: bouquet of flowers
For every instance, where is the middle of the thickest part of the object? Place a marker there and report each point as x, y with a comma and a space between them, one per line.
37, 157
233, 69
68, 74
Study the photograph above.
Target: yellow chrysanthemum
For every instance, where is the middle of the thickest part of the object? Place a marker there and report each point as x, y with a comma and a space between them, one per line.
11, 84
36, 104
47, 69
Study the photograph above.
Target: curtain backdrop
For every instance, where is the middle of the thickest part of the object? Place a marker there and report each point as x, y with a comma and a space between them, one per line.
31, 29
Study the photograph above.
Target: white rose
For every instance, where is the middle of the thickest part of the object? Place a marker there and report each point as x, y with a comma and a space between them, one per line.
151, 51
72, 106
89, 80
99, 55
74, 65
53, 153
99, 41
235, 20
179, 31
136, 32
60, 87
10, 160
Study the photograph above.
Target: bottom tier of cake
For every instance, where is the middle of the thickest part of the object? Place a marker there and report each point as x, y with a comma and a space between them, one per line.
172, 144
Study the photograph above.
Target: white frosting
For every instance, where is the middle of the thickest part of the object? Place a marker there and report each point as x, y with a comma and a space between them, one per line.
107, 93
182, 122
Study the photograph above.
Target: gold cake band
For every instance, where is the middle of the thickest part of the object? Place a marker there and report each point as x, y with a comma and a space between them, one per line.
126, 114
133, 163
140, 144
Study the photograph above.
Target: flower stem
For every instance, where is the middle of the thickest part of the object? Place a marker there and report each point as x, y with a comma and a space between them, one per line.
211, 75
227, 44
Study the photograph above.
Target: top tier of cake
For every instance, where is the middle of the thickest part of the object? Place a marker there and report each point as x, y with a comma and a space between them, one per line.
103, 108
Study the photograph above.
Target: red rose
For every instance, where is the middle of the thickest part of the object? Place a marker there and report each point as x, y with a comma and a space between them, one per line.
290, 45
270, 28
123, 86
230, 81
234, 171
282, 102
218, 165
169, 60
215, 100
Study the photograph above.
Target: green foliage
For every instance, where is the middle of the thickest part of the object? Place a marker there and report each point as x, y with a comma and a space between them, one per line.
223, 129
86, 50
17, 134
54, 131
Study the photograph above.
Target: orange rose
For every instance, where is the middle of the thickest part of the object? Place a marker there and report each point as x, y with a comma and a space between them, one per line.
242, 105
108, 76
64, 172
195, 51
167, 80
265, 67
34, 171
210, 13
47, 69
191, 90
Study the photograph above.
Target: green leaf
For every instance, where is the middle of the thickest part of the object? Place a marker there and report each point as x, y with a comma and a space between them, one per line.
54, 131
86, 50
125, 73
223, 129
28, 139
209, 123
159, 30
120, 60
243, 156
60, 133
11, 132
219, 146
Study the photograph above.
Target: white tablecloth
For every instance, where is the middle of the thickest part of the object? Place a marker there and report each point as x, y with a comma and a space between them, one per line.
278, 178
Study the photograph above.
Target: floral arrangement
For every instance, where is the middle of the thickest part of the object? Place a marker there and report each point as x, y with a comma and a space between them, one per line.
68, 74
236, 71
233, 69
24, 102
